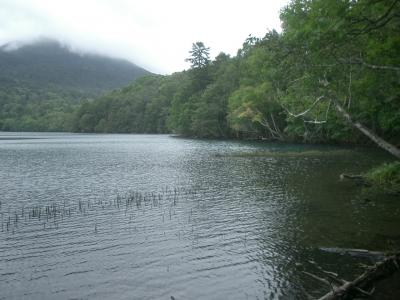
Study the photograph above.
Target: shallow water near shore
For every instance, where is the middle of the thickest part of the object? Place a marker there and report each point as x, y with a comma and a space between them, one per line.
153, 216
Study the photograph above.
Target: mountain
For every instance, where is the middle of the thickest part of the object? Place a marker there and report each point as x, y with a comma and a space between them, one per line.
48, 63
43, 84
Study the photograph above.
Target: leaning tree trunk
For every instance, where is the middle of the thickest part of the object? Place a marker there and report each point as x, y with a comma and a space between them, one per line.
358, 287
371, 135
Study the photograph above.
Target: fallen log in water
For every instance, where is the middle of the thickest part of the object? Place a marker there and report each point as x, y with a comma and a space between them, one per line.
360, 286
359, 179
374, 255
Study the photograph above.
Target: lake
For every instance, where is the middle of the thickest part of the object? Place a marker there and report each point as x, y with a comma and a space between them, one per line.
154, 216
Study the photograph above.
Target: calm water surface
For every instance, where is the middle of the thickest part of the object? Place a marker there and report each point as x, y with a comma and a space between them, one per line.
153, 216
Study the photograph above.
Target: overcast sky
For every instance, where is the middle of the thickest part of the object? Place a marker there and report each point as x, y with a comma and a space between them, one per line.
154, 34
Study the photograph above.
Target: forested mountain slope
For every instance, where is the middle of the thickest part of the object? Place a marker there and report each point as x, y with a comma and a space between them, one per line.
42, 84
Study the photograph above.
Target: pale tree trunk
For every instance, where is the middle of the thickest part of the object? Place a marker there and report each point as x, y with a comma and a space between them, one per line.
371, 135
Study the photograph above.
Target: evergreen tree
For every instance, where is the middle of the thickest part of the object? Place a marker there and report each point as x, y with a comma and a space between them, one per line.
199, 56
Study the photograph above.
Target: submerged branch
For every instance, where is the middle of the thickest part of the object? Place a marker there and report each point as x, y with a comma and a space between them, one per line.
359, 286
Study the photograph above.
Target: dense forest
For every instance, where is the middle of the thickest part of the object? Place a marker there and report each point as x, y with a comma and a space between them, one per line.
332, 76
333, 60
25, 108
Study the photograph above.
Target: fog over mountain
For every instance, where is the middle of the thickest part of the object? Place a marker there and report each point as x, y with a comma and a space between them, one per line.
155, 35
42, 84
49, 63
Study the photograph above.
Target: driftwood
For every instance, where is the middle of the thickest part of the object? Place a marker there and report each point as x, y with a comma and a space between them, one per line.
373, 255
359, 179
351, 176
362, 284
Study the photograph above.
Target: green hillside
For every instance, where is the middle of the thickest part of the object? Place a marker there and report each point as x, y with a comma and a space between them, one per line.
41, 84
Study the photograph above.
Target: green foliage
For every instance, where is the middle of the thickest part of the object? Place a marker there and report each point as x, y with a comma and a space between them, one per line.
253, 107
347, 51
37, 109
270, 89
284, 86
209, 115
199, 55
386, 177
199, 105
139, 108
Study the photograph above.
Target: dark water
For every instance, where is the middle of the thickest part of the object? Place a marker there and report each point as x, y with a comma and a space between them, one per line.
153, 216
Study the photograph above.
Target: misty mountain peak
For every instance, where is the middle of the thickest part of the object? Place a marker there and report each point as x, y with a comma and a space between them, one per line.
48, 62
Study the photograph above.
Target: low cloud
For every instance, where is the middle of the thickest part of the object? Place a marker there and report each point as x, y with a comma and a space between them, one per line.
156, 35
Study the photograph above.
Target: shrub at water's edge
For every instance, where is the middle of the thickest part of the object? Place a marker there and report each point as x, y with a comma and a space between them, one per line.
386, 177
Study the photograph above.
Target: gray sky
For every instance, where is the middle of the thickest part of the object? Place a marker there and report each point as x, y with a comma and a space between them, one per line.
154, 34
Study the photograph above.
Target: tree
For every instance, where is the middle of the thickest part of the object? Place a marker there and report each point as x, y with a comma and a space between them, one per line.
199, 55
253, 109
343, 55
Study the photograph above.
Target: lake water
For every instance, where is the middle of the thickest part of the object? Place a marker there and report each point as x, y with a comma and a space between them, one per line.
155, 216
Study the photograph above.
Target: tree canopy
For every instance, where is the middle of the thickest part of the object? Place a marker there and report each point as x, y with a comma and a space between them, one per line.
331, 76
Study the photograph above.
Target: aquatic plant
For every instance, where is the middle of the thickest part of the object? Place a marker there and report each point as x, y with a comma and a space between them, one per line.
51, 215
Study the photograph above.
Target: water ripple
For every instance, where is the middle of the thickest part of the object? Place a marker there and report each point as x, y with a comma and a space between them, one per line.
150, 217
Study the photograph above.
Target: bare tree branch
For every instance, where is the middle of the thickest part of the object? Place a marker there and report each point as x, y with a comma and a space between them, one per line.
307, 110
377, 23
394, 68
